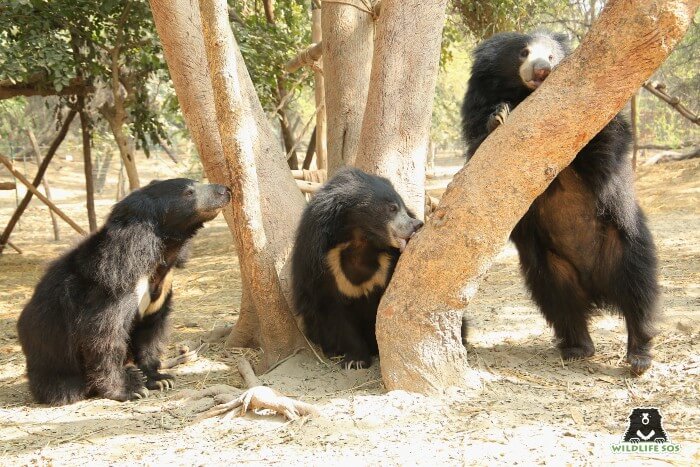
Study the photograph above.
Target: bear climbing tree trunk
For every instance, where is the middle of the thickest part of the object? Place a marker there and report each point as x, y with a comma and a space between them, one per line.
348, 40
238, 148
418, 324
394, 137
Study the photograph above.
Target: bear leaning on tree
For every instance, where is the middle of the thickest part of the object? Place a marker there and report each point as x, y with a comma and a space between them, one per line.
107, 300
584, 241
347, 245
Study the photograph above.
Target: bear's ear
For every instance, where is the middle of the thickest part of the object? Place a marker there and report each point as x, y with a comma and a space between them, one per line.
155, 180
562, 37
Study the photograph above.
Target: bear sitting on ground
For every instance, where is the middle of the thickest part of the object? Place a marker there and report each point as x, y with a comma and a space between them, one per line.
347, 245
585, 240
107, 300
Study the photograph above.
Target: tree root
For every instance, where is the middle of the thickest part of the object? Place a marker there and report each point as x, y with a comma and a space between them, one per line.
186, 355
258, 397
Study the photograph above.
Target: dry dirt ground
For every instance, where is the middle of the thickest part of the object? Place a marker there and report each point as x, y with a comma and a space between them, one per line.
530, 406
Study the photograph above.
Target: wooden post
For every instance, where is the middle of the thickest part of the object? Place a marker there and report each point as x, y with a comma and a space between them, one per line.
38, 194
44, 182
635, 136
37, 179
319, 93
87, 165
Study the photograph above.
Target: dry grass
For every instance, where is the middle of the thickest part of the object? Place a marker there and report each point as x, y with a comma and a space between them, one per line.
531, 406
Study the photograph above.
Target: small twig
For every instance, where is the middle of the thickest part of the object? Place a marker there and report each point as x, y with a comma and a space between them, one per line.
659, 90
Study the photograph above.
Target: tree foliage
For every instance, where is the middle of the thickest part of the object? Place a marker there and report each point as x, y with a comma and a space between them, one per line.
267, 47
53, 43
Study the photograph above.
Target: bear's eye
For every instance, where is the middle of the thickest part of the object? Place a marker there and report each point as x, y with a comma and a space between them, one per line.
525, 52
551, 57
393, 207
189, 192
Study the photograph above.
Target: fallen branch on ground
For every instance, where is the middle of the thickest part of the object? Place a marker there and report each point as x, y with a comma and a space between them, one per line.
672, 156
260, 397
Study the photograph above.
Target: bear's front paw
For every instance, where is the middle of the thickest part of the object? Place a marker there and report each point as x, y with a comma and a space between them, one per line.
355, 362
160, 381
134, 381
498, 117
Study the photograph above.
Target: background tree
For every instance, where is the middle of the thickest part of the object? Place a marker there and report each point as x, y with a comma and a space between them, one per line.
241, 153
68, 47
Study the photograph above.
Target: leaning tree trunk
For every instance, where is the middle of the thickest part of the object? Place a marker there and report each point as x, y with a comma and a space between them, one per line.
348, 37
418, 325
266, 202
394, 139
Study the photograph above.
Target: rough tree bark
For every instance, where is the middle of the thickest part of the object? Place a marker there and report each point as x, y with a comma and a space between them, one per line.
418, 326
348, 38
394, 138
320, 131
266, 202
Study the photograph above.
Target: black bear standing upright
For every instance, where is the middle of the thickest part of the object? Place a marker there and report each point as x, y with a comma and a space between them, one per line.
347, 244
584, 241
107, 300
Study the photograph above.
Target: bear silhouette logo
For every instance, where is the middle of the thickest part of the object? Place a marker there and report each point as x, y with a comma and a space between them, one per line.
645, 427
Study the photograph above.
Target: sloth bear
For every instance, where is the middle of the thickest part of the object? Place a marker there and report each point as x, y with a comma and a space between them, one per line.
347, 245
107, 301
585, 240
645, 427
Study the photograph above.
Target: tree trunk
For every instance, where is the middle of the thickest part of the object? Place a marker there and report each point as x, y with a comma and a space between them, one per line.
418, 325
310, 149
348, 36
321, 147
394, 138
87, 165
126, 148
266, 202
286, 128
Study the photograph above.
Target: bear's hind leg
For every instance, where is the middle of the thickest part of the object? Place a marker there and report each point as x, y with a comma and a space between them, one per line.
635, 292
55, 387
556, 288
340, 336
104, 356
146, 345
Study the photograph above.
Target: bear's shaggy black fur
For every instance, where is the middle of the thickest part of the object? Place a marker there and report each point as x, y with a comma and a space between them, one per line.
347, 244
645, 427
107, 300
584, 241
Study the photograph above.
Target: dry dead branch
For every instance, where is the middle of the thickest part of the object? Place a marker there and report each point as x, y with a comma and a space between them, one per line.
260, 397
672, 156
307, 57
659, 90
43, 198
308, 187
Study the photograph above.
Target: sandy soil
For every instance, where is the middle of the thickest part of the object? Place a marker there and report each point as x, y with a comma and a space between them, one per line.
530, 407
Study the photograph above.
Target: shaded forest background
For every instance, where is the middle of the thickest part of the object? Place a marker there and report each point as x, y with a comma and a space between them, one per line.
109, 53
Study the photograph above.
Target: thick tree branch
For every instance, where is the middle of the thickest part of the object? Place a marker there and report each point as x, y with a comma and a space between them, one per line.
76, 87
